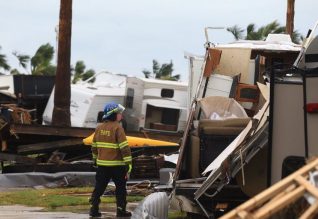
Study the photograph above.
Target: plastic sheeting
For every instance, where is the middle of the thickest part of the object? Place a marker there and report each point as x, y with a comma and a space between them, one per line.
35, 179
154, 206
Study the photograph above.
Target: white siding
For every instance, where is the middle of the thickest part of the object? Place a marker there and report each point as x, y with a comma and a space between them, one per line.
7, 80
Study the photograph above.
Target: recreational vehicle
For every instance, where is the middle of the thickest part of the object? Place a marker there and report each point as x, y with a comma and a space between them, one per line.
154, 104
88, 99
225, 160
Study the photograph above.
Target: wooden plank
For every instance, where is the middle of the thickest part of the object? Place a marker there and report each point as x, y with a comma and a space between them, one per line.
16, 158
245, 215
52, 130
271, 192
280, 195
44, 146
267, 211
309, 187
310, 212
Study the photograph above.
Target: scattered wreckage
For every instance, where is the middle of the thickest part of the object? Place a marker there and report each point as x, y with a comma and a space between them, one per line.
227, 158
28, 146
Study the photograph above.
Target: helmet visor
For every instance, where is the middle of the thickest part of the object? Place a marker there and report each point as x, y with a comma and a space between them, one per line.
120, 108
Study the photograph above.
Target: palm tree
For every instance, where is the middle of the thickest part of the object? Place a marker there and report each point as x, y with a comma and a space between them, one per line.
41, 61
236, 31
163, 71
261, 33
81, 74
3, 62
89, 73
15, 72
78, 71
23, 61
62, 95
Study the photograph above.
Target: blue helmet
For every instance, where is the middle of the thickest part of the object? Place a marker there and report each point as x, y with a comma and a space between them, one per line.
111, 108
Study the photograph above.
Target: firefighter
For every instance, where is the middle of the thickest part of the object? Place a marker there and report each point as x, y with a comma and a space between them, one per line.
112, 156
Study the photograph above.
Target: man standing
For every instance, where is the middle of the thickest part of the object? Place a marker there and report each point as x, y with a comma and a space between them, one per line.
112, 156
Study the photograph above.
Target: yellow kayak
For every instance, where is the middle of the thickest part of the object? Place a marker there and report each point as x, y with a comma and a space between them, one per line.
136, 141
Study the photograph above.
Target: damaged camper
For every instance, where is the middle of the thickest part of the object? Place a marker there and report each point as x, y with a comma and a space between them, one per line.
259, 130
87, 99
153, 104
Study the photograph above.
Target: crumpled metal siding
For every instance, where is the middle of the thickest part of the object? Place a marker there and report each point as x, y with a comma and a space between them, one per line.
154, 206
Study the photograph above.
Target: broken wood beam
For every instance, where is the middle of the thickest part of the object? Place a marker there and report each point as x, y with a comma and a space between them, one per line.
46, 146
52, 130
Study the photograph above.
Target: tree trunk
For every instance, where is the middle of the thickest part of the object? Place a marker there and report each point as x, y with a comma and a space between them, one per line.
290, 17
62, 95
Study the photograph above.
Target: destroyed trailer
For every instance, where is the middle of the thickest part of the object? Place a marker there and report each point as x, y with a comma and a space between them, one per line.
225, 157
51, 149
28, 146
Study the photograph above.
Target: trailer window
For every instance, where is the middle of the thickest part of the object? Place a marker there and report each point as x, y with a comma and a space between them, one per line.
130, 98
167, 93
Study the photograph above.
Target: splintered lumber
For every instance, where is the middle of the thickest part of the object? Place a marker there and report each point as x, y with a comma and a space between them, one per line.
52, 130
279, 196
265, 212
45, 146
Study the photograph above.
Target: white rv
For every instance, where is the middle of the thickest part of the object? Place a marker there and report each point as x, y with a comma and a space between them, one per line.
88, 99
155, 104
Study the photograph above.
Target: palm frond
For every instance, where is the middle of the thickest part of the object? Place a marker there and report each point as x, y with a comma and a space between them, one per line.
23, 59
297, 37
4, 63
42, 59
146, 73
250, 28
155, 67
236, 31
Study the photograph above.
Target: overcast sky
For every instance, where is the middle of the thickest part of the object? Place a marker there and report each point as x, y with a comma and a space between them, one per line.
125, 36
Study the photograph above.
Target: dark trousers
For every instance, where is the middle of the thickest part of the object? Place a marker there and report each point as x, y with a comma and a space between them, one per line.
103, 176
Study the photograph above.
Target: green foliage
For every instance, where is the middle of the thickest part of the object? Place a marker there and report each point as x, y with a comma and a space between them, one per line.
155, 67
41, 61
3, 62
41, 64
15, 72
146, 73
236, 31
23, 59
163, 71
78, 70
261, 33
89, 73
81, 74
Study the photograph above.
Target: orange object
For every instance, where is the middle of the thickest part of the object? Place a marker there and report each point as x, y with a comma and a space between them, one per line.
212, 61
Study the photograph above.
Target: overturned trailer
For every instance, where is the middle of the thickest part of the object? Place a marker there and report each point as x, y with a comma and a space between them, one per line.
222, 163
